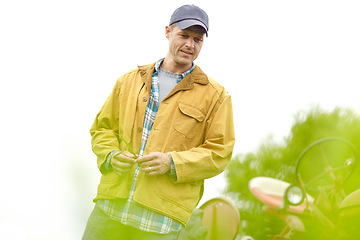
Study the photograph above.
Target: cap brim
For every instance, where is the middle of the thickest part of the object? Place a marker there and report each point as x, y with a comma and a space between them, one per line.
191, 22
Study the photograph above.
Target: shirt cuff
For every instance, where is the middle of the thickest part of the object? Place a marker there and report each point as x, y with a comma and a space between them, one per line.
172, 171
108, 159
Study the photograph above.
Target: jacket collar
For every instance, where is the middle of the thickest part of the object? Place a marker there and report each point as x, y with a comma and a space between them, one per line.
196, 76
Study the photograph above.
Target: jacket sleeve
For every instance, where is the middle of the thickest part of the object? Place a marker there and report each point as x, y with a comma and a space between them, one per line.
213, 156
105, 129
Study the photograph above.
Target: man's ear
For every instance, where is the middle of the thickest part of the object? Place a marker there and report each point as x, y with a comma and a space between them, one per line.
167, 32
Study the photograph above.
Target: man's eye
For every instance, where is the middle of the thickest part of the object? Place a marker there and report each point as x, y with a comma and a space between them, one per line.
197, 40
184, 36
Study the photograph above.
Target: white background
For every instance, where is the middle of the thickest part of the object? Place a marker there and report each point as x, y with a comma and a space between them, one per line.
59, 61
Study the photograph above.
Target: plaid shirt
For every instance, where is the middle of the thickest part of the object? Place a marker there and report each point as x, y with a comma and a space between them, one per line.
128, 211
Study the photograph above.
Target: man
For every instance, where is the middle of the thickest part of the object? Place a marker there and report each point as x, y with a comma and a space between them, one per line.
164, 129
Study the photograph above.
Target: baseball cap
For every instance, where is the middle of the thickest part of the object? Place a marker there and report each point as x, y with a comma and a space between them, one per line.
190, 15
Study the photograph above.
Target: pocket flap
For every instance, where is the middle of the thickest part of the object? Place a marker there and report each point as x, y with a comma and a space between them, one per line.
191, 111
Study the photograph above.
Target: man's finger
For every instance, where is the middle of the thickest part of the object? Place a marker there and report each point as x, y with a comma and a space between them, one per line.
125, 157
146, 164
120, 164
150, 170
143, 159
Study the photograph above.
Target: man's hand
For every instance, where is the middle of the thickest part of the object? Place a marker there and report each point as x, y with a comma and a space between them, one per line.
122, 163
155, 163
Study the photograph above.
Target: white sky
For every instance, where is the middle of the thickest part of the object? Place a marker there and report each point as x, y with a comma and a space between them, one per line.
60, 59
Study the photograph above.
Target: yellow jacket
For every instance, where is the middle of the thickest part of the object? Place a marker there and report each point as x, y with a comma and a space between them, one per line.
194, 124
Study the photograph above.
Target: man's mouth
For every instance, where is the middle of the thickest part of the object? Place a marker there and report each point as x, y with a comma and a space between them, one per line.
186, 52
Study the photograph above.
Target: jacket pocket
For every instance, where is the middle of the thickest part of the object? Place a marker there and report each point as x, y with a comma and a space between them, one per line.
113, 185
183, 195
188, 119
110, 177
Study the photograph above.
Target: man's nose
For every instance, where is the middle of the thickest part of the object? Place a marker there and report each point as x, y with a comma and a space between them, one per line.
190, 43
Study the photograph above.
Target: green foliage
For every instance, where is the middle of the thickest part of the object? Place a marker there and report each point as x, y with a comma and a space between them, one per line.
194, 229
128, 147
277, 160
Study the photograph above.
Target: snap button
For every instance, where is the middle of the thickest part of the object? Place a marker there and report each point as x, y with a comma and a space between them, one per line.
139, 129
144, 99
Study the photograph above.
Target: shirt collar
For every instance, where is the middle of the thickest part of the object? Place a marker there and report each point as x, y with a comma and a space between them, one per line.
183, 75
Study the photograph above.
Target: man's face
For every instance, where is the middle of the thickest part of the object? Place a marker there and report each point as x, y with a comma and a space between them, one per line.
184, 45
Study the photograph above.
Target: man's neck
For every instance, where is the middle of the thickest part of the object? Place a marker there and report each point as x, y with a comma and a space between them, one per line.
170, 66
